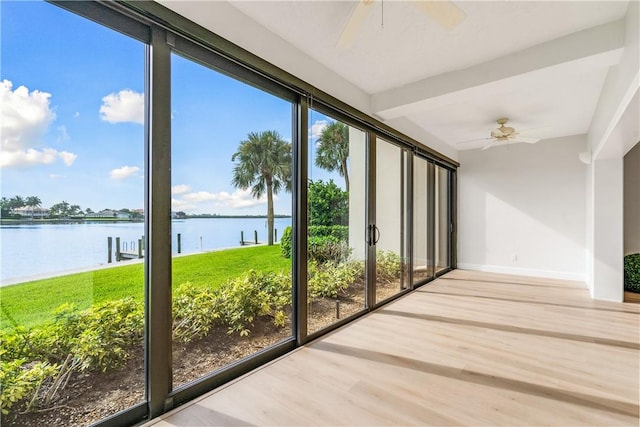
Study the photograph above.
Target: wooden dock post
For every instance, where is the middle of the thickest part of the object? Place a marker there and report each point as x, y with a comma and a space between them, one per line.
139, 248
242, 238
179, 243
275, 236
117, 249
255, 235
109, 249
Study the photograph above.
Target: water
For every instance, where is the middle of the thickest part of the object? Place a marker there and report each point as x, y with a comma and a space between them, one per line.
32, 249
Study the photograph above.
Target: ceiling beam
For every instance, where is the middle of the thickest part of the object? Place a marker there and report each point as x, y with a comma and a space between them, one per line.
599, 46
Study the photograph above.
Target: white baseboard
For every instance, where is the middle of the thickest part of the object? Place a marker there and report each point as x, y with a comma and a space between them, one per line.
547, 274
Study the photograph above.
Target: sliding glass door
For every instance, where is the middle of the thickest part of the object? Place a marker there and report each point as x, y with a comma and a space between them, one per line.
442, 220
389, 232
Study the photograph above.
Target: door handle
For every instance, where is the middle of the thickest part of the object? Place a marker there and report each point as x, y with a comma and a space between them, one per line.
373, 234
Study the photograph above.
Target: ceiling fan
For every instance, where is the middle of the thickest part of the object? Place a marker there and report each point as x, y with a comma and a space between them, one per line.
444, 12
504, 134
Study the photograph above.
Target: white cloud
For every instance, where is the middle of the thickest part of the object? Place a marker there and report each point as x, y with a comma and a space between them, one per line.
317, 128
67, 157
180, 189
77, 114
201, 201
24, 119
124, 172
56, 176
28, 157
25, 116
64, 135
124, 106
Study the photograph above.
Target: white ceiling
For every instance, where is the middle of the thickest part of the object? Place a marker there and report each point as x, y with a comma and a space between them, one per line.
542, 64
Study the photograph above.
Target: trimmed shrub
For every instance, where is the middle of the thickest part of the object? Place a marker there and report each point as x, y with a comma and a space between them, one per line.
338, 232
194, 312
253, 294
632, 273
285, 242
328, 250
388, 267
329, 281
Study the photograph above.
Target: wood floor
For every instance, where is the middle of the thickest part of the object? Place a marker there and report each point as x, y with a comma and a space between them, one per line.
468, 349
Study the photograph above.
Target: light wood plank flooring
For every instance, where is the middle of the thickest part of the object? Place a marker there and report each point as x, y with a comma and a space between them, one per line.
468, 349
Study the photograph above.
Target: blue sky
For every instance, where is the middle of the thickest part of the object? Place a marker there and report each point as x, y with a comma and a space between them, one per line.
72, 112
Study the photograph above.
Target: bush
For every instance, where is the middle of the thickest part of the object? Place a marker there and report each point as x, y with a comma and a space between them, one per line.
328, 204
253, 294
328, 250
328, 280
194, 312
388, 266
108, 331
632, 273
338, 232
285, 242
20, 381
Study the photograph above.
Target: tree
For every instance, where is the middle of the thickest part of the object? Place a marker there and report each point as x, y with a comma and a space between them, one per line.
33, 202
16, 202
5, 207
60, 209
263, 162
333, 150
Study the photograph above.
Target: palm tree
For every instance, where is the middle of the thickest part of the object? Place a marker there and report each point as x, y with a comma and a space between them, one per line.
33, 202
333, 150
263, 162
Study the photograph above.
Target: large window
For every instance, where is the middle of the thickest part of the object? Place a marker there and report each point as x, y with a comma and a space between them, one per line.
72, 204
231, 207
176, 212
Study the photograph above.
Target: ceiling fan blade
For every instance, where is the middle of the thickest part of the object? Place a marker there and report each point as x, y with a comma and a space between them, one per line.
526, 139
445, 13
357, 18
472, 140
489, 145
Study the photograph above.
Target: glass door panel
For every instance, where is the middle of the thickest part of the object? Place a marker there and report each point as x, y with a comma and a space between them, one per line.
422, 220
442, 219
231, 208
73, 143
336, 203
390, 234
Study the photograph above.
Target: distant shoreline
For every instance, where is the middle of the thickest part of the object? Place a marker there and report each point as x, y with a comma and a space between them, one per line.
28, 221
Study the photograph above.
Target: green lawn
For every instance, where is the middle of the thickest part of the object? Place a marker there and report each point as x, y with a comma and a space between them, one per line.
32, 303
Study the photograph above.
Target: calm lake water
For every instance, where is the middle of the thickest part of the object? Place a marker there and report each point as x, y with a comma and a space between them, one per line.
28, 250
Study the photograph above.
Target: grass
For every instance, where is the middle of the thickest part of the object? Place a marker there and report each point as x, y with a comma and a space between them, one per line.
32, 303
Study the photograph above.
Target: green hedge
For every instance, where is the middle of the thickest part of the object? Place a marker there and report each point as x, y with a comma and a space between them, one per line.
632, 273
319, 236
285, 242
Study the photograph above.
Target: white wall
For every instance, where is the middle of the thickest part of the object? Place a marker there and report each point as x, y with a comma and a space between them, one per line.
522, 209
606, 277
